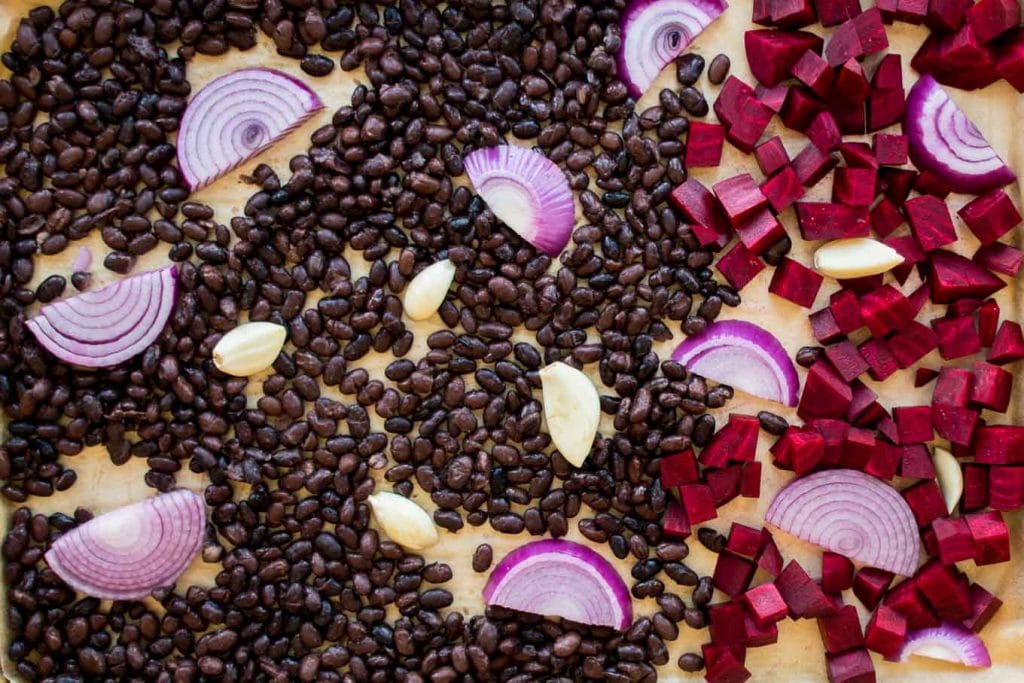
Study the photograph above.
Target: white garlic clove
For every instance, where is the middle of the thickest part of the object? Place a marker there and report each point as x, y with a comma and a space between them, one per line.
403, 521
855, 257
249, 348
572, 409
425, 294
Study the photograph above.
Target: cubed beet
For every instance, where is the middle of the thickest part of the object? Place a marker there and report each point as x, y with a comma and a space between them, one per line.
735, 442
674, 524
990, 19
814, 72
990, 537
1000, 258
824, 132
834, 12
802, 594
765, 604
916, 461
828, 221
698, 502
841, 631
771, 54
991, 387
958, 337
885, 217
759, 230
885, 309
846, 360
853, 666
1006, 487
854, 186
1010, 59
704, 144
945, 588
984, 606
783, 188
954, 540
825, 394
795, 282
930, 222
750, 480
724, 483
678, 469
975, 495
914, 423
740, 196
836, 573
699, 206
851, 83
771, 155
881, 360
732, 573
870, 584
891, 150
912, 343
739, 265
988, 322
945, 16
925, 501
886, 632
1008, 345
811, 165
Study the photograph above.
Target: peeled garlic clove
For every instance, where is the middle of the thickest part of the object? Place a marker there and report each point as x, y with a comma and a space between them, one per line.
249, 348
404, 522
950, 476
572, 409
855, 257
425, 294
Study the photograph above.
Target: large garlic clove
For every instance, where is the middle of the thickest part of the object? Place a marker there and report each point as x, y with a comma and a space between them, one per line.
572, 409
403, 521
425, 294
855, 257
950, 476
249, 348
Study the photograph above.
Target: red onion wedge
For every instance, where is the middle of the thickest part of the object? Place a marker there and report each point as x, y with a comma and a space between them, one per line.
527, 192
237, 116
745, 357
948, 642
561, 578
110, 325
654, 32
126, 553
852, 514
944, 141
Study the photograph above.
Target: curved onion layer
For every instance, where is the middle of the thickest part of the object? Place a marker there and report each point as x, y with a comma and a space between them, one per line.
236, 117
110, 325
527, 192
853, 514
127, 553
948, 642
564, 579
745, 357
944, 141
654, 32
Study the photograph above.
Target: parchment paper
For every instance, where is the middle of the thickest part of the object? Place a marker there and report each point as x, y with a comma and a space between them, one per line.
798, 656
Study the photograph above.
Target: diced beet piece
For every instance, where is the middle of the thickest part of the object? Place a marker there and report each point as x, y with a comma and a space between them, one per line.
765, 604
886, 632
724, 483
732, 574
953, 536
905, 599
912, 343
799, 449
926, 502
988, 322
846, 360
907, 247
885, 310
811, 165
881, 361
802, 594
896, 184
678, 469
953, 277
1005, 487
930, 222
814, 72
731, 100
750, 480
984, 606
699, 206
885, 217
826, 221
853, 666
736, 442
674, 523
825, 393
991, 387
999, 445
945, 16
930, 184
851, 116
870, 584
841, 631
858, 37
916, 462
990, 537
783, 189
990, 216
762, 12
850, 82
824, 327
726, 623
945, 588
962, 307
824, 132
834, 12
912, 11
760, 230
773, 97
740, 196
953, 423
885, 461
792, 13
744, 540
1008, 345
854, 186
836, 573
914, 423
959, 50
758, 635
795, 282
957, 337
772, 54
885, 107
953, 387
834, 432
799, 109
990, 19
891, 150
769, 559
771, 155
923, 376
725, 668
1010, 59
739, 266
860, 446
846, 310
704, 144
698, 503
864, 402
749, 125
858, 155
975, 496
1001, 258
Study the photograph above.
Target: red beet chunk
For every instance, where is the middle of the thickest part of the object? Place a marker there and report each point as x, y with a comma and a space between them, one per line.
699, 206
885, 217
960, 59
928, 183
773, 97
912, 11
792, 13
905, 599
891, 150
1010, 59
804, 449
858, 155
744, 540
953, 387
783, 189
846, 310
834, 12
953, 537
957, 337
859, 448
704, 144
1005, 487
834, 433
802, 594
800, 108
814, 72
912, 343
955, 277
758, 635
854, 186
676, 470
740, 196
731, 100
885, 460
826, 221
854, 666
825, 394
984, 606
990, 537
725, 667
771, 155
760, 230
736, 442
726, 623
824, 327
975, 496
916, 462
885, 107
908, 248
674, 524
926, 502
1001, 258
841, 631
999, 445
698, 503
886, 632
795, 282
858, 37
846, 360
850, 82
750, 480
772, 54
923, 376
724, 483
881, 361
885, 310
988, 322
770, 558
946, 16
762, 12
864, 408
990, 216
811, 165
945, 588
765, 604
930, 222
1008, 345
732, 574
748, 127
990, 19
836, 573
914, 423
824, 132
739, 266
991, 387
896, 184
953, 423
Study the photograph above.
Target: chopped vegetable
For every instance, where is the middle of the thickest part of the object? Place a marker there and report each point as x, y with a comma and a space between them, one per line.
944, 141
654, 32
404, 522
249, 348
83, 259
127, 553
950, 476
572, 409
560, 578
237, 116
948, 642
744, 356
527, 192
103, 328
853, 514
425, 294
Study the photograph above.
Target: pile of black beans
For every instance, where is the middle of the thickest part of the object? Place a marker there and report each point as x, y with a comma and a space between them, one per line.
87, 126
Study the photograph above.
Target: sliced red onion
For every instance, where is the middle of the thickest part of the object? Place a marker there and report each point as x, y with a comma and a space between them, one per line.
237, 116
654, 32
944, 141
745, 357
105, 327
83, 259
853, 514
560, 578
527, 192
948, 642
127, 553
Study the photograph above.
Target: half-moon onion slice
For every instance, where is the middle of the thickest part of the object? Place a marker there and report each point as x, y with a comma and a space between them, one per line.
950, 643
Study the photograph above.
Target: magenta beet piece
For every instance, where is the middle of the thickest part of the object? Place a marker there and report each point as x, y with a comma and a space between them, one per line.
905, 599
984, 606
744, 540
841, 631
674, 524
851, 84
824, 132
771, 155
724, 483
811, 165
885, 217
1006, 487
759, 230
757, 635
814, 72
724, 668
991, 387
953, 537
870, 584
846, 310
773, 97
946, 16
990, 19
914, 423
891, 150
836, 573
704, 144
802, 447
732, 574
1010, 59
945, 57
926, 502
827, 221
881, 360
740, 196
750, 480
885, 309
834, 432
912, 11
802, 594
792, 13
990, 216
765, 604
853, 666
954, 277
846, 360
749, 125
945, 588
824, 327
861, 36
912, 343
1008, 345
858, 155
886, 632
772, 54
896, 184
988, 322
923, 376
834, 12
678, 469
734, 96
1001, 258
885, 460
854, 186
957, 337
990, 537
799, 109
739, 265
930, 222
698, 503
795, 282
783, 189
726, 623
916, 461
701, 207
885, 107
954, 423
736, 442
953, 387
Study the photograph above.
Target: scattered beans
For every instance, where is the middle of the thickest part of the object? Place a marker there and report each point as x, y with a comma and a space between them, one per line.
718, 69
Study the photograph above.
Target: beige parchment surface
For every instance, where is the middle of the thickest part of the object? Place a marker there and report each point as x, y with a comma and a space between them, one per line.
798, 657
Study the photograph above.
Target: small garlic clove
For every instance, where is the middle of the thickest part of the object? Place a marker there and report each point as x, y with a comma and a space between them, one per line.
425, 294
855, 257
404, 522
249, 348
950, 476
572, 409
